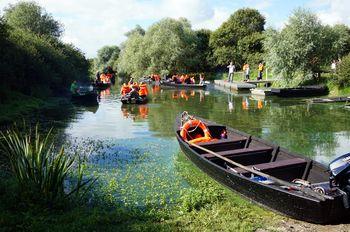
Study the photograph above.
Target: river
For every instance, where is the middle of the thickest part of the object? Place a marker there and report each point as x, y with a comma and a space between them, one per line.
133, 151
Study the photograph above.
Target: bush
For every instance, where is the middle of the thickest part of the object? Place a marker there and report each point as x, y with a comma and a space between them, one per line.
40, 172
343, 72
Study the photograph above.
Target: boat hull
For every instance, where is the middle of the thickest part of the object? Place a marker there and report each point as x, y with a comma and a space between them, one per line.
139, 101
300, 92
297, 206
183, 86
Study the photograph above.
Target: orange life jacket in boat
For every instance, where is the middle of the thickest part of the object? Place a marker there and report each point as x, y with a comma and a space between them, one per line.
196, 138
143, 90
125, 89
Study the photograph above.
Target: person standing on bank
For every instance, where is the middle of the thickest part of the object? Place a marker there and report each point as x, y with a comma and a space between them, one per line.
261, 70
231, 70
246, 70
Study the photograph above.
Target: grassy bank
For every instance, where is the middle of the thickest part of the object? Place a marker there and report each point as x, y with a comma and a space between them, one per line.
203, 206
18, 107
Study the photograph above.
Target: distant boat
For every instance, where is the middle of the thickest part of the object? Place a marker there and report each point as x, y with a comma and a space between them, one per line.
129, 100
266, 173
302, 91
183, 86
85, 95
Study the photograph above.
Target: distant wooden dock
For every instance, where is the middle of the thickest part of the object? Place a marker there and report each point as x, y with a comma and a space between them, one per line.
235, 85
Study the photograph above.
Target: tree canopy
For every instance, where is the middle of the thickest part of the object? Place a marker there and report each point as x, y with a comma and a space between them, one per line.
32, 17
107, 56
238, 38
167, 46
303, 46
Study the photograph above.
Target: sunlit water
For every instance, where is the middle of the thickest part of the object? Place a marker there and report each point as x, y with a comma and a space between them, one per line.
132, 149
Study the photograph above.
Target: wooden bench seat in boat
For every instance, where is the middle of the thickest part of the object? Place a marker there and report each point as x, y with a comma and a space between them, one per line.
245, 156
234, 142
288, 169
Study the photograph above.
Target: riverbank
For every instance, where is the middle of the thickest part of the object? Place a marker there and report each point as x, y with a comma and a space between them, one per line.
18, 107
204, 206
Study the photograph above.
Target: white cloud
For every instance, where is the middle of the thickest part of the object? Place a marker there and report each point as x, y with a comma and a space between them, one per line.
332, 11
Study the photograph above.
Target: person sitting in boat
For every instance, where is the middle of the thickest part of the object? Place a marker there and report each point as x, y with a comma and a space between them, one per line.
135, 85
74, 88
143, 92
192, 80
125, 89
134, 93
97, 79
201, 79
181, 79
131, 81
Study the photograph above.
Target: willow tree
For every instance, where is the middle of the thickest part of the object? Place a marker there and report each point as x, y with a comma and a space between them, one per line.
168, 46
107, 56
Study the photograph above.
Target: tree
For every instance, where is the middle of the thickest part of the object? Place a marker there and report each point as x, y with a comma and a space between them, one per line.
203, 51
299, 50
32, 17
343, 72
137, 30
107, 56
227, 41
168, 46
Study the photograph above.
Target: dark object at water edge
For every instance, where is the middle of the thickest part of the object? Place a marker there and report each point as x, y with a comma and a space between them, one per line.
330, 100
303, 91
101, 86
279, 163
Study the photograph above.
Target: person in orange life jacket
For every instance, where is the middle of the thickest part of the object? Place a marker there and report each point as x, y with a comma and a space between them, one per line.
131, 81
125, 89
143, 90
261, 70
135, 85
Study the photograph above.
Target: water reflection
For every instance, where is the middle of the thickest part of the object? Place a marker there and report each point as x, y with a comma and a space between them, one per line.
135, 112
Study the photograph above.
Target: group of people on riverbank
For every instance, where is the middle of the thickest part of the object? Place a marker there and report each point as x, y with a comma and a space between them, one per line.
133, 89
246, 70
187, 79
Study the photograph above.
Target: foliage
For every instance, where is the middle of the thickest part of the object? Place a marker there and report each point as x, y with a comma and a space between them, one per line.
303, 47
168, 46
33, 18
203, 51
36, 64
137, 30
343, 72
107, 56
39, 171
238, 37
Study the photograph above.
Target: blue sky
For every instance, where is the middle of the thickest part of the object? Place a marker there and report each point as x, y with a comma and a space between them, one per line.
92, 24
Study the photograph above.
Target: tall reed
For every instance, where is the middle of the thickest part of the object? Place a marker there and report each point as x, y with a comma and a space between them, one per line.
41, 171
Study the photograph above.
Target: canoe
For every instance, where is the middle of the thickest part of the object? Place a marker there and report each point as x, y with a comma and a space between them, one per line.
303, 91
129, 100
88, 98
324, 206
101, 86
330, 100
182, 86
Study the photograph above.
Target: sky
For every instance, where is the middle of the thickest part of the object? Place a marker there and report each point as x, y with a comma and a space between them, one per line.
91, 24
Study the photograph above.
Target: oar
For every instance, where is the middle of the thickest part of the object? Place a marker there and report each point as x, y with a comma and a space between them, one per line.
307, 190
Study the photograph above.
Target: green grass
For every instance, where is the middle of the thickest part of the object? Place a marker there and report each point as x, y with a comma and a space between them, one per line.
203, 206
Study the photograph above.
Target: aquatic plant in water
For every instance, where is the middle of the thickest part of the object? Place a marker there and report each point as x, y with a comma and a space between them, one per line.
38, 168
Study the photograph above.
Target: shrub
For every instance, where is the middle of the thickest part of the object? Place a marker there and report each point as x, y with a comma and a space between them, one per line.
40, 172
343, 72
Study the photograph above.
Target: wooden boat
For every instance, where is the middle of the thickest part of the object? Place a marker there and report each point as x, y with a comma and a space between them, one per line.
303, 91
330, 100
101, 85
85, 97
129, 100
182, 86
317, 202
